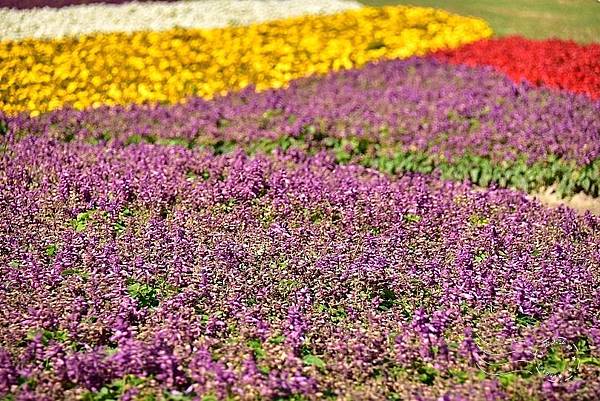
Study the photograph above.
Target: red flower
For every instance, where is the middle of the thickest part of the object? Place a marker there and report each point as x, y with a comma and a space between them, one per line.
554, 63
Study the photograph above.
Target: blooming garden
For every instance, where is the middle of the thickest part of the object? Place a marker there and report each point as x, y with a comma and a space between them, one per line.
305, 201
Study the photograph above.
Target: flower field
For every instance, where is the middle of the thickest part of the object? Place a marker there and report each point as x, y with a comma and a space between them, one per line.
168, 66
321, 201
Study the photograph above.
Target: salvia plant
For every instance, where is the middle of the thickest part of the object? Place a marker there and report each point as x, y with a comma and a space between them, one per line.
159, 272
417, 115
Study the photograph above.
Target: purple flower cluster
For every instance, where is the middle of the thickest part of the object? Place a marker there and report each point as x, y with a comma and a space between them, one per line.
166, 272
418, 104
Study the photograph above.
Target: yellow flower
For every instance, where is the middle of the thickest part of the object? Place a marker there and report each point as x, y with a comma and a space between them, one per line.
169, 66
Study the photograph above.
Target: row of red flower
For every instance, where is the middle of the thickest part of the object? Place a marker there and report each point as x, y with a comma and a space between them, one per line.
554, 63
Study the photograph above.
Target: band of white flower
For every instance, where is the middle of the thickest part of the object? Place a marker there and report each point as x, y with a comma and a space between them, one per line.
156, 16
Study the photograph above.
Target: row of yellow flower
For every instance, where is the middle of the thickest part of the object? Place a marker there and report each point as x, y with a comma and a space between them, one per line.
168, 66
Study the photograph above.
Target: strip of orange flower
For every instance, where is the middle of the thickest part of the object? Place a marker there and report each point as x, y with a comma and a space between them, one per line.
166, 67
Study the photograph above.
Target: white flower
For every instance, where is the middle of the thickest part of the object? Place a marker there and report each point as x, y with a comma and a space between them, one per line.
156, 16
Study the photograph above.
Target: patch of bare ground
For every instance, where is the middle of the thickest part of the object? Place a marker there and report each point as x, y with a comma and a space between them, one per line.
580, 202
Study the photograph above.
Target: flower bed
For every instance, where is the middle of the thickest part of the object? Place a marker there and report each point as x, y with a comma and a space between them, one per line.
149, 270
398, 116
27, 4
557, 64
157, 16
37, 75
307, 241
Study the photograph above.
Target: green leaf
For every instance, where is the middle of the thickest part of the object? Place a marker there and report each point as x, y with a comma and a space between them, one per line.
133, 139
460, 375
146, 295
314, 360
277, 339
51, 250
256, 346
427, 374
121, 223
474, 174
506, 379
75, 272
80, 222
525, 320
412, 218
586, 183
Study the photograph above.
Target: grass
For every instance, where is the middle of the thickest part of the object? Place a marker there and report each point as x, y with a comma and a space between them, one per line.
578, 20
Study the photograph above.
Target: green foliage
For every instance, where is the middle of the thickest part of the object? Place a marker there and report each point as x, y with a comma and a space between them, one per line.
133, 139
226, 206
394, 397
82, 219
560, 358
177, 141
121, 223
336, 313
105, 136
76, 272
223, 123
525, 320
104, 394
177, 397
568, 178
27, 382
412, 218
459, 375
517, 174
478, 221
221, 147
314, 360
277, 339
291, 397
146, 295
114, 390
48, 336
256, 346
51, 250
100, 138
284, 143
375, 230
287, 286
388, 299
267, 117
427, 374
480, 256
507, 378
